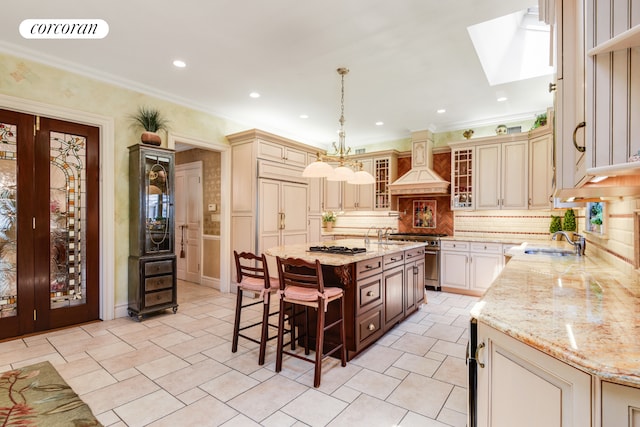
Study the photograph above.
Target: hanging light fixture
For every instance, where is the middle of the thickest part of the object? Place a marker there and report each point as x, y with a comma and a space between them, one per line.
345, 170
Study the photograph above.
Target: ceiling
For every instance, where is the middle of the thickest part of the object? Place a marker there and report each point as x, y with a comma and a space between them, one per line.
407, 59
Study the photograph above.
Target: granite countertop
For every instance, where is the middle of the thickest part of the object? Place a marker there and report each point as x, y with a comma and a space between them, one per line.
579, 310
373, 250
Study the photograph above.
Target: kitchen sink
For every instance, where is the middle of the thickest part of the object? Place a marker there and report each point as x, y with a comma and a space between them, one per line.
549, 251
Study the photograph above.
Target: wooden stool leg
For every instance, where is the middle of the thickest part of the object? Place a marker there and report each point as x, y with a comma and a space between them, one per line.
280, 336
236, 323
319, 343
343, 339
264, 334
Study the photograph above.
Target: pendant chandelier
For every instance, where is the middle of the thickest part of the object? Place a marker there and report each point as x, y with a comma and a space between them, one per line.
345, 169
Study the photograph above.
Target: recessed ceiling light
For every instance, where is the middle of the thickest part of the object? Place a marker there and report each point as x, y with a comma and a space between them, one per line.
179, 63
501, 99
379, 123
304, 116
441, 111
254, 95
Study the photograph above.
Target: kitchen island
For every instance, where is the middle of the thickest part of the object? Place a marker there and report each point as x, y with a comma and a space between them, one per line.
382, 286
557, 343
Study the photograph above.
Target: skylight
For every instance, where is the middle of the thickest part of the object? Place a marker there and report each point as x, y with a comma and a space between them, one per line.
512, 47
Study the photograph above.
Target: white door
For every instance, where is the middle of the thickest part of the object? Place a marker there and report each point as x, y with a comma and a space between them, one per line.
188, 214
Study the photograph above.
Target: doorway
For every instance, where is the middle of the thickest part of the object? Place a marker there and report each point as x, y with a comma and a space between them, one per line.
49, 223
215, 261
188, 220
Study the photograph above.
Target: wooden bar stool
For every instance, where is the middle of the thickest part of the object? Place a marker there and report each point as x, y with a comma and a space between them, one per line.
253, 276
302, 284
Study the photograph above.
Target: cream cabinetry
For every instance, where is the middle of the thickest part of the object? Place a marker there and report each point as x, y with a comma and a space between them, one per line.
540, 170
281, 220
342, 196
486, 262
359, 197
270, 150
270, 201
519, 385
385, 171
470, 267
620, 405
502, 175
612, 85
454, 265
462, 178
567, 18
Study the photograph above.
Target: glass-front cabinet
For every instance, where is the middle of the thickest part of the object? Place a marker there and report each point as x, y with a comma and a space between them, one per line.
462, 178
152, 262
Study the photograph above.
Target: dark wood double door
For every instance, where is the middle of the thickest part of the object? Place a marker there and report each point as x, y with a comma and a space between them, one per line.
49, 224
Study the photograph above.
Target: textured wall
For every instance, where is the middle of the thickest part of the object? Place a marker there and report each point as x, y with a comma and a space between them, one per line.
31, 80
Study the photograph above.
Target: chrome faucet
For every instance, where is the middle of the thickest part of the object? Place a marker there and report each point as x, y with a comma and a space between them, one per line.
580, 245
366, 236
386, 234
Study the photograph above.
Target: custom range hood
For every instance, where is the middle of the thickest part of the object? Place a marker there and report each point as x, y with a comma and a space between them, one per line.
421, 179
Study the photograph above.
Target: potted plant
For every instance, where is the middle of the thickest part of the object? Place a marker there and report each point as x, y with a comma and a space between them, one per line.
569, 223
328, 218
555, 225
541, 120
152, 121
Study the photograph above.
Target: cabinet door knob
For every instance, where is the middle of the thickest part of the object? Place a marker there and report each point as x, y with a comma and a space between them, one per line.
370, 293
552, 87
372, 327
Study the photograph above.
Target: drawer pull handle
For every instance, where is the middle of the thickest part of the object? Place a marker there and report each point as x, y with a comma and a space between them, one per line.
369, 267
372, 327
370, 293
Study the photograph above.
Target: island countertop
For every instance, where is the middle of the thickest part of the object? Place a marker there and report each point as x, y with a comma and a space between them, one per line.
374, 250
579, 310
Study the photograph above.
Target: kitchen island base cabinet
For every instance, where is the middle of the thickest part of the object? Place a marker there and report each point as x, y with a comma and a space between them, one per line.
521, 386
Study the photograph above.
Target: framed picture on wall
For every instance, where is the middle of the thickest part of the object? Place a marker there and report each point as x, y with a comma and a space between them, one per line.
424, 214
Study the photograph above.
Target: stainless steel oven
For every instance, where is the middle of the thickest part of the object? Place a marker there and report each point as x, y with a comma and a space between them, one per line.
431, 255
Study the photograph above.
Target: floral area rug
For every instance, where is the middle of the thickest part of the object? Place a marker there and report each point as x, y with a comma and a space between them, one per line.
36, 395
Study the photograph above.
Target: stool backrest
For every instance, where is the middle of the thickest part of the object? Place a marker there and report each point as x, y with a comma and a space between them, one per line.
251, 265
298, 272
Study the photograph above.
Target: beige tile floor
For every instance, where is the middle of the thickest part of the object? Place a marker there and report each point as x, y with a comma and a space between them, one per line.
178, 370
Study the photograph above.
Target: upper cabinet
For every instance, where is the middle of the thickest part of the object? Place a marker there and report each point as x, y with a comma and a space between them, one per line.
613, 85
541, 169
570, 118
462, 178
360, 197
493, 172
598, 89
342, 196
275, 151
502, 175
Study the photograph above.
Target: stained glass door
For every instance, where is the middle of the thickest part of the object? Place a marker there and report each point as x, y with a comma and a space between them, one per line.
49, 224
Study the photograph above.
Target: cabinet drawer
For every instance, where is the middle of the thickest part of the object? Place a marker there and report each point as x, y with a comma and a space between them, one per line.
413, 254
368, 267
491, 248
454, 245
158, 267
369, 293
393, 260
155, 298
369, 326
159, 282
